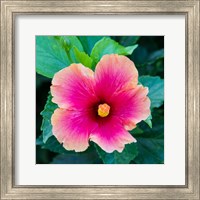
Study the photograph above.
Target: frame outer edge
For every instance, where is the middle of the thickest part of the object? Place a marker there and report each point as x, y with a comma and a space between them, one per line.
7, 99
10, 191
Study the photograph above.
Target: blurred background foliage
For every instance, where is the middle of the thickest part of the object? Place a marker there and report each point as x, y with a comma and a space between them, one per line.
149, 60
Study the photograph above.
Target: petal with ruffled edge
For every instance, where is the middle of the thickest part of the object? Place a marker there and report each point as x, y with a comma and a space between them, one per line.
72, 128
110, 135
131, 106
73, 87
113, 74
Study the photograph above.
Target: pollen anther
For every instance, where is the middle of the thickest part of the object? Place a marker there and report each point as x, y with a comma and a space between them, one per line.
103, 110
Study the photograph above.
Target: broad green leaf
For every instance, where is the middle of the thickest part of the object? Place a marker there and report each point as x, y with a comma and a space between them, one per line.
128, 40
52, 53
88, 42
75, 50
156, 89
50, 56
46, 127
129, 153
109, 46
69, 41
151, 142
80, 57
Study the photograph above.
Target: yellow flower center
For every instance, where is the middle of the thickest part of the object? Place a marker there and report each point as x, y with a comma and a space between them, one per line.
103, 110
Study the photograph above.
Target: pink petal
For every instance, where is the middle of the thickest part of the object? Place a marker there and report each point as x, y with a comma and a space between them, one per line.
73, 87
131, 106
72, 128
110, 135
114, 73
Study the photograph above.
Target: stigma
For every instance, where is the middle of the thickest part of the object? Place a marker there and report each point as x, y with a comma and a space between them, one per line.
103, 110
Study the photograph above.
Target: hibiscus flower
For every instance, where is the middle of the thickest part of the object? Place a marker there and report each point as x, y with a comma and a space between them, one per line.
100, 106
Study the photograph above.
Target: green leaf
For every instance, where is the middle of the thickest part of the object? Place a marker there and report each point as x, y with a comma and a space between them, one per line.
52, 53
151, 142
156, 55
151, 151
109, 46
89, 156
53, 145
136, 131
148, 59
86, 157
80, 57
156, 89
50, 56
148, 121
69, 41
46, 127
128, 40
128, 154
75, 50
39, 140
88, 42
140, 55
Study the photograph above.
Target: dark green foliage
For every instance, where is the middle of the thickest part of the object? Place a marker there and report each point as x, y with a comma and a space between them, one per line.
156, 89
151, 142
126, 41
51, 144
68, 157
128, 154
89, 157
46, 127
